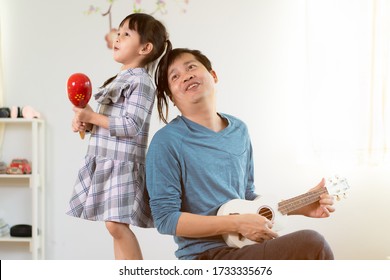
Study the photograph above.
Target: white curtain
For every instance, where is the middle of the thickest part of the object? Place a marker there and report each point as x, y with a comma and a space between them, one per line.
379, 140
1, 96
345, 105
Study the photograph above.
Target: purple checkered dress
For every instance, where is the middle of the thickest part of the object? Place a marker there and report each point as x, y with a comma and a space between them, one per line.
111, 181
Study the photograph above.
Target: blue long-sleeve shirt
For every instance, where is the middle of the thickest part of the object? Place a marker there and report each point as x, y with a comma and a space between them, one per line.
190, 168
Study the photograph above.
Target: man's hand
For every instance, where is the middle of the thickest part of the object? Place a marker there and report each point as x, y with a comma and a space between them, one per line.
255, 227
321, 208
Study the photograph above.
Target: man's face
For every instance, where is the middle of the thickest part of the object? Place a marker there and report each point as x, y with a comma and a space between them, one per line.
190, 82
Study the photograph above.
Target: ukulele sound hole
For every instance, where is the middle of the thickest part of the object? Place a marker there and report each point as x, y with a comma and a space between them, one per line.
266, 212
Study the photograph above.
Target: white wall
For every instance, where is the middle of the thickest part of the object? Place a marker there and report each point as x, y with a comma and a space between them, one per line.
257, 48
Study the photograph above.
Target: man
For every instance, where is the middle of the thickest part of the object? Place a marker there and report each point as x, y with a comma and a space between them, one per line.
201, 160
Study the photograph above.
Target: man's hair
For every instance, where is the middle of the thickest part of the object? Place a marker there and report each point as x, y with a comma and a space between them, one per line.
161, 78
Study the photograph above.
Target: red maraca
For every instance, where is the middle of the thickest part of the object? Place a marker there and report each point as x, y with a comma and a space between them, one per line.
79, 91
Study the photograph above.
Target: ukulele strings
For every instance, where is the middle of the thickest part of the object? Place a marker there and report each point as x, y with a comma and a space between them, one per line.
294, 203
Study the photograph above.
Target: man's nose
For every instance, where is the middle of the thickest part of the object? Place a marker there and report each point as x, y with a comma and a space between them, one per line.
188, 77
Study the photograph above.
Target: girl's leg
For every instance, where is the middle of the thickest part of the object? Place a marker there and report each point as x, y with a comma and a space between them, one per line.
126, 245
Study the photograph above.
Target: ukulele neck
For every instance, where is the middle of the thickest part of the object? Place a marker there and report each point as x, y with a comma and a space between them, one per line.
292, 204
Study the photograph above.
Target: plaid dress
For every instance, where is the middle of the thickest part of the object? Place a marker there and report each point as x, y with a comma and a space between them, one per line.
110, 185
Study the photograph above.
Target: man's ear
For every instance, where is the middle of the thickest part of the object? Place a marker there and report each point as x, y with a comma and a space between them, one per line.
214, 74
146, 48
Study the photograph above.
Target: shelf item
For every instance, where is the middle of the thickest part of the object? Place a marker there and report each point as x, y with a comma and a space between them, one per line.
33, 183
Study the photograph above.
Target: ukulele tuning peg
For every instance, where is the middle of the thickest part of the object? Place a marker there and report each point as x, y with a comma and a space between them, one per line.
333, 180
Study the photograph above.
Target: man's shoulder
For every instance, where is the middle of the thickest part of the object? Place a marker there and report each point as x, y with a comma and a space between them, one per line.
230, 117
167, 139
235, 121
174, 131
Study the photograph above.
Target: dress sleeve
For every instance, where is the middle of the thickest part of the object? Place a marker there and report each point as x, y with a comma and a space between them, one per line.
138, 106
164, 184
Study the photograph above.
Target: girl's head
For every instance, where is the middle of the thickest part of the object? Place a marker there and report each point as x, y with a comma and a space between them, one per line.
150, 34
163, 90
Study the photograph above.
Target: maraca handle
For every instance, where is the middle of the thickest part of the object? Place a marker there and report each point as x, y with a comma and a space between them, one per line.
82, 133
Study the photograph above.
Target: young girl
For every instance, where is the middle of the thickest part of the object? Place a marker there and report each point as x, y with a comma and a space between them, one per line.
110, 186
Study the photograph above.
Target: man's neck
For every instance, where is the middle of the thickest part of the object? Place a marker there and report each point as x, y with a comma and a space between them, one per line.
209, 119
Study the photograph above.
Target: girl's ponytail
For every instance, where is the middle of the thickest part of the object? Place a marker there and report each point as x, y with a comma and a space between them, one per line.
161, 80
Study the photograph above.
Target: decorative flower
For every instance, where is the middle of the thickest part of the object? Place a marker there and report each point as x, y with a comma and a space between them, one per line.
161, 7
110, 37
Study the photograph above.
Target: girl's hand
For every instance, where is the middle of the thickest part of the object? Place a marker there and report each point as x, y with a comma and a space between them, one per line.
83, 115
79, 122
77, 126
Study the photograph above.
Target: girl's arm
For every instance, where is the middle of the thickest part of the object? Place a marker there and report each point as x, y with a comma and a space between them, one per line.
138, 99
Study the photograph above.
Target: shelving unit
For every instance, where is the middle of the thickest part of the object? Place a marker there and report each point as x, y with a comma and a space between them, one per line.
33, 183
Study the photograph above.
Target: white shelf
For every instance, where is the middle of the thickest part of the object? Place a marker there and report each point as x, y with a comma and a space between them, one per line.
21, 120
34, 181
9, 238
11, 176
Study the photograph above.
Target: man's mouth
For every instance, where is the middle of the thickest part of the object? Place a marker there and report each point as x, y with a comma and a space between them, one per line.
191, 86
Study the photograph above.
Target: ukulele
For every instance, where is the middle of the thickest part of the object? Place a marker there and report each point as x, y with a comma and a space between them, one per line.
335, 186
